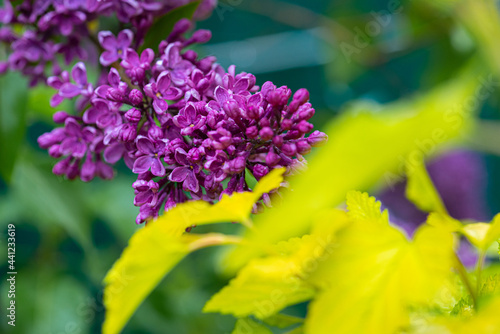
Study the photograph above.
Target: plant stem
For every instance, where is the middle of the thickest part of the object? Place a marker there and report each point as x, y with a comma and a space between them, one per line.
462, 271
479, 270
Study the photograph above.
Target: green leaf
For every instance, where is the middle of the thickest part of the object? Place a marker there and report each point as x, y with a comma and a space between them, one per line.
282, 320
482, 235
364, 148
375, 274
363, 207
150, 255
420, 190
13, 107
162, 27
247, 325
485, 321
262, 288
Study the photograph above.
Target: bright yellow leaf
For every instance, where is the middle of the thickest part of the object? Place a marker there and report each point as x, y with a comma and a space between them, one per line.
262, 288
363, 207
374, 274
482, 235
420, 190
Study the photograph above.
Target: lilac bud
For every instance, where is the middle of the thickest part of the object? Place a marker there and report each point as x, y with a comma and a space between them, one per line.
61, 167
279, 97
289, 149
293, 134
133, 115
259, 171
88, 170
206, 63
278, 141
304, 126
252, 132
73, 170
190, 55
264, 122
239, 164
301, 96
128, 133
306, 114
286, 124
253, 112
272, 159
135, 96
317, 139
267, 88
234, 166
303, 147
200, 36
60, 116
266, 133
55, 151
50, 138
155, 132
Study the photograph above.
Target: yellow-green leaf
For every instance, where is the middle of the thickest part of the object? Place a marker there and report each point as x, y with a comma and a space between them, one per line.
482, 235
420, 190
247, 326
363, 207
150, 255
375, 274
444, 221
262, 288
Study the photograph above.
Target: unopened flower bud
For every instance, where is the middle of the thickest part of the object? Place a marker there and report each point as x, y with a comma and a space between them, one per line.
155, 132
259, 171
304, 126
135, 96
286, 124
301, 96
317, 138
303, 147
133, 115
252, 132
60, 116
272, 159
266, 133
278, 141
128, 133
289, 149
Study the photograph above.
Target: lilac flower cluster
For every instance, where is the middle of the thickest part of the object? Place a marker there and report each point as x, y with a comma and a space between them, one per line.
185, 126
54, 29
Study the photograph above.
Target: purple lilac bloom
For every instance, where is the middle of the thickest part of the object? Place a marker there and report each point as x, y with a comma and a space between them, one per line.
182, 124
67, 28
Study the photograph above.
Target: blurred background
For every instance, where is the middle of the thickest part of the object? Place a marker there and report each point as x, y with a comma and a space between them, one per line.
68, 234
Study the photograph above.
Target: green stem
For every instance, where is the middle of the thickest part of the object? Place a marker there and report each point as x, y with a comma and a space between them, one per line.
479, 270
462, 272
